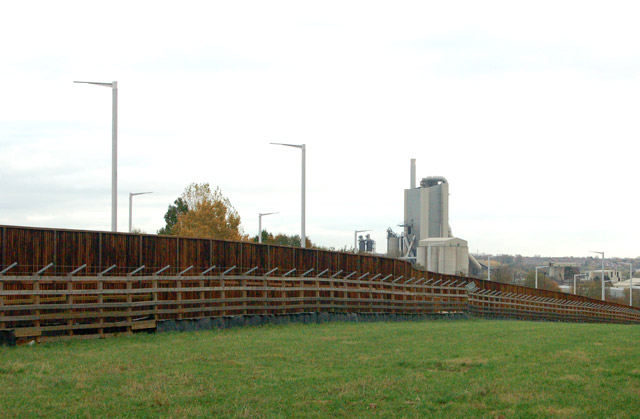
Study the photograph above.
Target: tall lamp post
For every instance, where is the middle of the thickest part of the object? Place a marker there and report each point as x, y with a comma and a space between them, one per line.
131, 195
303, 147
539, 267
630, 281
602, 254
575, 277
355, 239
488, 267
114, 149
260, 215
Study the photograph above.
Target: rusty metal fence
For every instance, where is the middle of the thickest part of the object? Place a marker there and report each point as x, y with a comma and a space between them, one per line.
59, 284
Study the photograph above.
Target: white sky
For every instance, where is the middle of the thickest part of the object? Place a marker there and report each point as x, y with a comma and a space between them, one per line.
530, 109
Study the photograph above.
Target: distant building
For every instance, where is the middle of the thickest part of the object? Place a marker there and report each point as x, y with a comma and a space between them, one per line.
626, 284
616, 292
366, 244
427, 237
609, 274
559, 271
444, 254
567, 289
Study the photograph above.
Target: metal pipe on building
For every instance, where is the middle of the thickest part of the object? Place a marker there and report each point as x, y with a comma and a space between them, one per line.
412, 185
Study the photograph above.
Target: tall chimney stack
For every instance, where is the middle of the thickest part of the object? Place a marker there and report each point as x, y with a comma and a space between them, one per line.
413, 174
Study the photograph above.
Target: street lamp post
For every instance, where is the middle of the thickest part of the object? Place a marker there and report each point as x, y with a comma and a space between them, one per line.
131, 195
488, 267
114, 149
630, 281
355, 239
575, 277
260, 224
303, 147
539, 267
602, 254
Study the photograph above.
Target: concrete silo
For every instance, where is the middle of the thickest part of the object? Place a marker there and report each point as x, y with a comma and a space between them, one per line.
427, 237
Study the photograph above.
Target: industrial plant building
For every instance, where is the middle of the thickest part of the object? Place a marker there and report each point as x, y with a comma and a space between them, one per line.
426, 238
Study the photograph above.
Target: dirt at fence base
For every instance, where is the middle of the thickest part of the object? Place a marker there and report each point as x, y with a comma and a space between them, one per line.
229, 322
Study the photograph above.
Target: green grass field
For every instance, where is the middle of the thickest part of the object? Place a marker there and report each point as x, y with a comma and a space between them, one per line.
464, 368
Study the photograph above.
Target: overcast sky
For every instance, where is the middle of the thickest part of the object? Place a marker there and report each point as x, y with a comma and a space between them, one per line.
531, 110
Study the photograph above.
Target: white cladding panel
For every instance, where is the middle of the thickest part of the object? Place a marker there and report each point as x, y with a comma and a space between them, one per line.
448, 255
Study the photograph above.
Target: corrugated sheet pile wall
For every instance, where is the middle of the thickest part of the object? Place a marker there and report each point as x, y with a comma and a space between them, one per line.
101, 283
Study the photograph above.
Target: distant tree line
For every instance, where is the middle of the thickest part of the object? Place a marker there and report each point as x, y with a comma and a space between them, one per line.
205, 213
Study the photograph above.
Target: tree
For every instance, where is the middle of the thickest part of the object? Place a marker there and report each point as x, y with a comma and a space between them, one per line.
591, 289
208, 214
505, 259
544, 282
569, 272
282, 240
636, 297
171, 217
519, 260
504, 274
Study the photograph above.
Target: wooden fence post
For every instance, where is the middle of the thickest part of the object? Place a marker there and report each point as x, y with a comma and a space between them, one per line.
129, 302
178, 285
202, 296
154, 298
70, 303
100, 304
36, 299
244, 283
2, 312
223, 301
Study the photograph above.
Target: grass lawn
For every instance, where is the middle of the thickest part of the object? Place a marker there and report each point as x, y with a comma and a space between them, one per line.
463, 368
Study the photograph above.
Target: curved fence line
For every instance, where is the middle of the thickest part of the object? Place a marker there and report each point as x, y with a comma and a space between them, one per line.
65, 283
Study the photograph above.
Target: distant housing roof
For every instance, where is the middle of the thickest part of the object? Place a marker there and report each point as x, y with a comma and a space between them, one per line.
626, 283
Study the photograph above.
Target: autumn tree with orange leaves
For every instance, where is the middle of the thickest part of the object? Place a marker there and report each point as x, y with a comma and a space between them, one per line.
209, 215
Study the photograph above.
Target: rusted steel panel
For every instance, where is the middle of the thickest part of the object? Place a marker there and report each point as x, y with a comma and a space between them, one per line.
196, 253
69, 248
253, 254
76, 248
158, 252
401, 268
305, 259
226, 254
32, 248
217, 253
282, 258
121, 250
233, 253
3, 261
386, 267
368, 264
351, 262
328, 260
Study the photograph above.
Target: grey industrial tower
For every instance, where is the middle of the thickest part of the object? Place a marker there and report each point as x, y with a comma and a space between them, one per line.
427, 237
